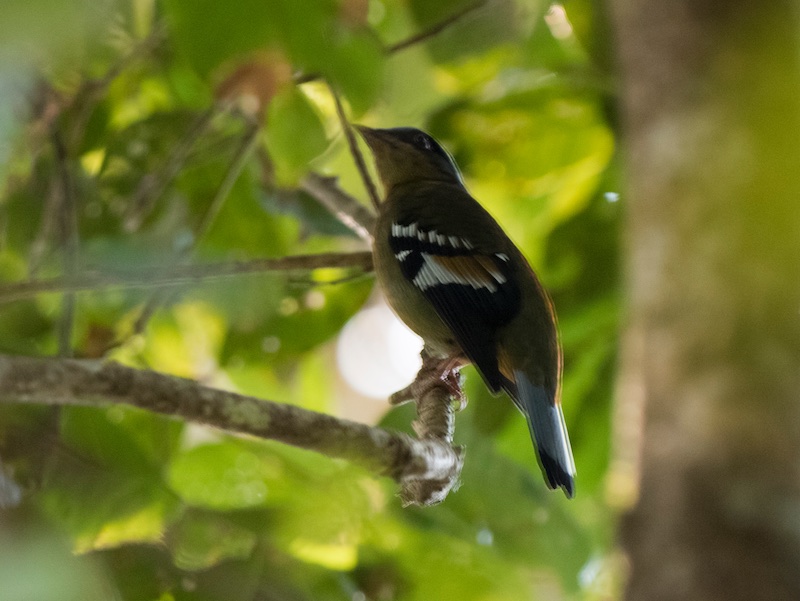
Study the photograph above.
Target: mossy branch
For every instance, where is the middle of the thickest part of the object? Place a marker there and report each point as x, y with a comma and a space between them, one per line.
410, 462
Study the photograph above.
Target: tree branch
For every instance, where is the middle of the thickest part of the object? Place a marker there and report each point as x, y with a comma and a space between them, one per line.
435, 29
343, 206
433, 393
151, 277
66, 382
352, 144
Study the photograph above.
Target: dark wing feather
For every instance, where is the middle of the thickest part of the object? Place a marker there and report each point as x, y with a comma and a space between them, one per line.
474, 293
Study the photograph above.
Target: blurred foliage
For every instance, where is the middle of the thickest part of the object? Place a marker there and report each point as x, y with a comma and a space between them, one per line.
153, 103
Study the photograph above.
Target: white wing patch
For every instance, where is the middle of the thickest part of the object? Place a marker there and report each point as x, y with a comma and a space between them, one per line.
434, 273
446, 267
430, 237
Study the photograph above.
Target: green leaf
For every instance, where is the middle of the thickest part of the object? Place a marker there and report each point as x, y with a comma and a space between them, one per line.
473, 571
202, 540
295, 134
228, 475
592, 26
356, 67
209, 33
289, 321
125, 438
242, 224
126, 506
114, 458
477, 31
312, 34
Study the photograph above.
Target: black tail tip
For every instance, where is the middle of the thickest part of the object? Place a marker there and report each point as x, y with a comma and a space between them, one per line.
556, 476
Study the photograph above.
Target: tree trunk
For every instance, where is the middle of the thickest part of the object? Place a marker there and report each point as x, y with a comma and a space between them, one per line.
711, 112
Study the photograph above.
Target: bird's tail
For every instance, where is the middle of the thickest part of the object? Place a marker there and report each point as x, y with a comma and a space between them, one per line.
549, 432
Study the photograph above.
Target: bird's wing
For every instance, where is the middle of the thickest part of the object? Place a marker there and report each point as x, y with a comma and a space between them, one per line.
472, 290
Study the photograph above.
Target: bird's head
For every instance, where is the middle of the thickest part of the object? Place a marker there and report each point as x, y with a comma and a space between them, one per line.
406, 154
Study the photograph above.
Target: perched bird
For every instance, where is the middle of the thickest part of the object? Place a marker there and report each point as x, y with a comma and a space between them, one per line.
455, 278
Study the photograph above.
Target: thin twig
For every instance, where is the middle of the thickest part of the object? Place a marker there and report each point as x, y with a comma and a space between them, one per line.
152, 277
344, 207
153, 185
161, 297
240, 157
435, 29
68, 221
354, 150
97, 383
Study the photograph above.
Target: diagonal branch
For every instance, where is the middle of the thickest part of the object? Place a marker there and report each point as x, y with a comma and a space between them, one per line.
151, 277
97, 383
354, 150
343, 206
436, 28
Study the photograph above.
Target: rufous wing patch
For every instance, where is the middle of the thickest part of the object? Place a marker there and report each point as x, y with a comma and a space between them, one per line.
476, 271
504, 364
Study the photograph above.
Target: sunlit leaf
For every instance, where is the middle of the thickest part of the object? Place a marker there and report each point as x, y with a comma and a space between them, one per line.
126, 506
295, 134
224, 476
202, 540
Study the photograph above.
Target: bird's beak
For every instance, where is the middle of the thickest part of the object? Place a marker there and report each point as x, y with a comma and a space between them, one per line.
367, 133
381, 142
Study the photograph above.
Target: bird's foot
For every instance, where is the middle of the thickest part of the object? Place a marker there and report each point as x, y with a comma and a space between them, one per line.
444, 373
434, 373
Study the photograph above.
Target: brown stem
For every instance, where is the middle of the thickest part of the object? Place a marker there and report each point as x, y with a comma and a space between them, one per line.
98, 383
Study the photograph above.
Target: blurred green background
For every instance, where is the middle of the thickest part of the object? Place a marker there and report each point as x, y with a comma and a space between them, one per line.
181, 132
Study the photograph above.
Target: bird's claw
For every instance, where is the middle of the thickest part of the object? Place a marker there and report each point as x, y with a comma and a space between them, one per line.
452, 379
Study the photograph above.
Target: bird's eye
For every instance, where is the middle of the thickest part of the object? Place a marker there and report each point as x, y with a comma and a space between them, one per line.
423, 141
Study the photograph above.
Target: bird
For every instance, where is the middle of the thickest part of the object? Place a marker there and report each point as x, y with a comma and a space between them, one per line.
450, 272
